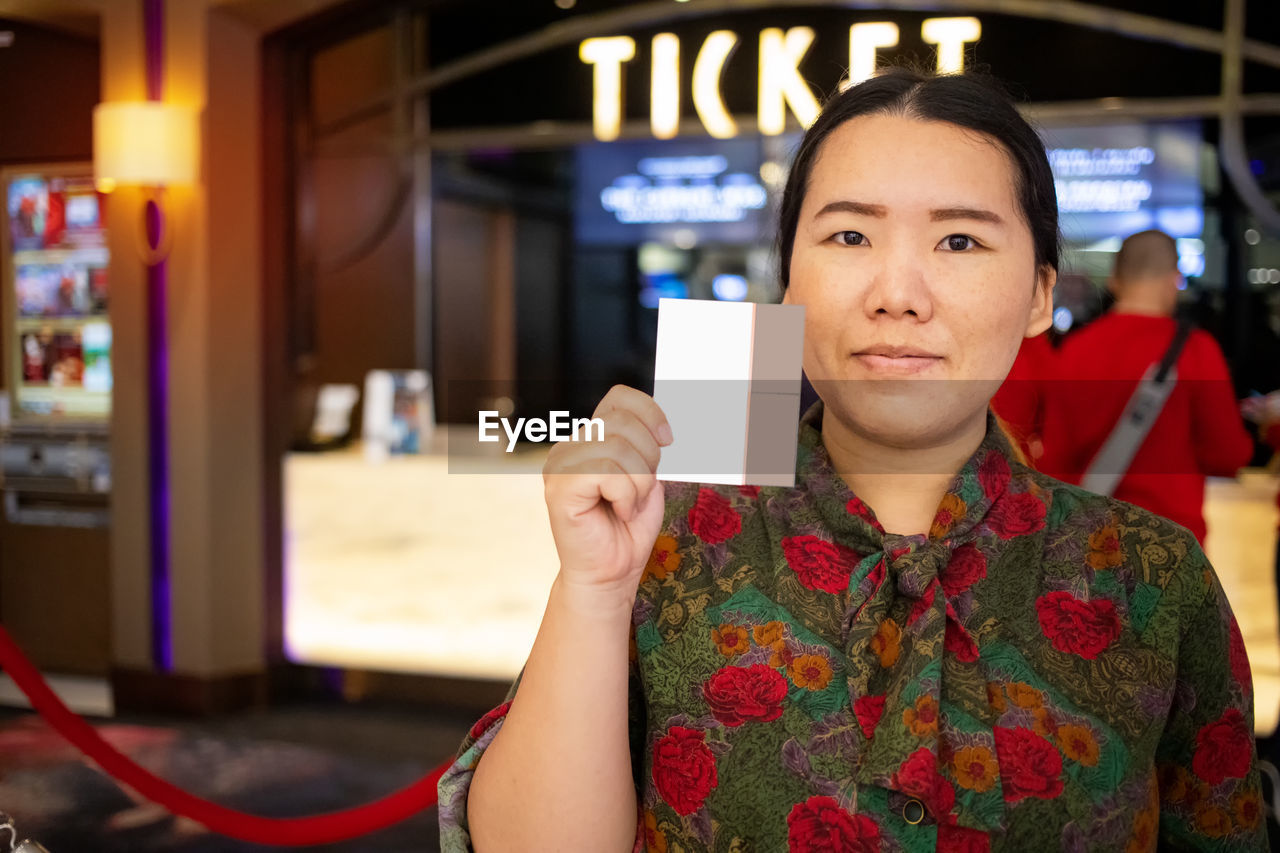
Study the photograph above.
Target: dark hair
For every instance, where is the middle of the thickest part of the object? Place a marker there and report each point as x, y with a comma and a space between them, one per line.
971, 101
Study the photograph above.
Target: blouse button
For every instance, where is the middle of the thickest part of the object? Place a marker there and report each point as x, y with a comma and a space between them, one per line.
913, 812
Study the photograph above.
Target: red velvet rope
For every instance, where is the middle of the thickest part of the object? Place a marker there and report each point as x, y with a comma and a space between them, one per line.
290, 832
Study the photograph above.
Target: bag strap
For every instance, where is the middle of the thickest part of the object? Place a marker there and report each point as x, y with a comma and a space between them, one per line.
1179, 341
1145, 404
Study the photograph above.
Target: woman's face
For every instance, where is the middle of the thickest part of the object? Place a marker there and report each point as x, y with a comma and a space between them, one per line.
918, 276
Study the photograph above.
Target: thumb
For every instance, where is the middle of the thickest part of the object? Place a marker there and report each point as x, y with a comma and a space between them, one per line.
648, 518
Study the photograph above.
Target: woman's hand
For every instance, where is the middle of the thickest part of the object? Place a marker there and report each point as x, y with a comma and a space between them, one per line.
604, 498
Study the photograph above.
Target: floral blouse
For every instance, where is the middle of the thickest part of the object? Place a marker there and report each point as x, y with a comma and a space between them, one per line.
1047, 669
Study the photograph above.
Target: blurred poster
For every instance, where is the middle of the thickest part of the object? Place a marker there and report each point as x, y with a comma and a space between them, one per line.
53, 212
56, 294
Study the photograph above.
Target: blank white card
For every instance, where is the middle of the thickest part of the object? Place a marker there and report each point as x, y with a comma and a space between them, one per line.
727, 375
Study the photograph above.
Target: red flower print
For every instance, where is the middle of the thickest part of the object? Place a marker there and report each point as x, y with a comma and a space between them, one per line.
957, 641
855, 506
923, 603
868, 709
968, 566
994, 475
1016, 515
1078, 627
819, 825
684, 769
739, 694
749, 491
1239, 658
1030, 766
919, 777
1223, 748
489, 719
818, 563
959, 839
877, 574
712, 519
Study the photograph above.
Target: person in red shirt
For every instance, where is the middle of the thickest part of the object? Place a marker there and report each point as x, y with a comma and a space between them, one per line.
1199, 431
1020, 401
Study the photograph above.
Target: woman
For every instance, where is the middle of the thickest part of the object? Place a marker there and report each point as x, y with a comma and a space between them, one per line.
924, 644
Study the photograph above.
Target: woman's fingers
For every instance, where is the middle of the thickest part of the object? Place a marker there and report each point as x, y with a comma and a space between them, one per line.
639, 404
625, 424
612, 469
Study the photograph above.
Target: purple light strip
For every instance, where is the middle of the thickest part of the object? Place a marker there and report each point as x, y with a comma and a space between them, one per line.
158, 377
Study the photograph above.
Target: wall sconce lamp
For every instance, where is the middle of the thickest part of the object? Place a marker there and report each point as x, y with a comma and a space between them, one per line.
150, 144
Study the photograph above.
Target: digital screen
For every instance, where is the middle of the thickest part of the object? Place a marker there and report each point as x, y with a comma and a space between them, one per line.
1117, 179
678, 191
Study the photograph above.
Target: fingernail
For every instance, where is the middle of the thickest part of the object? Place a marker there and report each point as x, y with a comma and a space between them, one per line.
664, 434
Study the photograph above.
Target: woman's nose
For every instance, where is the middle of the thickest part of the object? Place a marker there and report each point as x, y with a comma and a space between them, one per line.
899, 289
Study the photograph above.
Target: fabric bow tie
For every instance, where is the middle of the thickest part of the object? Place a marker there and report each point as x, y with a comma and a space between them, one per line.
908, 651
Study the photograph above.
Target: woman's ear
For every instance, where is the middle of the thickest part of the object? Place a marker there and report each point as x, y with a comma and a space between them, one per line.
1040, 317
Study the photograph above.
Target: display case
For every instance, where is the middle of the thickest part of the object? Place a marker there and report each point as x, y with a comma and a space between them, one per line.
54, 461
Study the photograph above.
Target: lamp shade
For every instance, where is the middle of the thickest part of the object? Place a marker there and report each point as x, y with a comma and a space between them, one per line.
144, 143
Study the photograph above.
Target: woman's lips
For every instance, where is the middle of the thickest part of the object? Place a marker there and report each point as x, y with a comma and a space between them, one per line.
896, 362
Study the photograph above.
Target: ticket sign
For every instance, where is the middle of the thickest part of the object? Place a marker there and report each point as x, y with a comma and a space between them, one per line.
781, 87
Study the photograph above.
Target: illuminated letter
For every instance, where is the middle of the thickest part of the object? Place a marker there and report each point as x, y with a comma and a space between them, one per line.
950, 35
607, 55
664, 86
707, 68
780, 80
863, 41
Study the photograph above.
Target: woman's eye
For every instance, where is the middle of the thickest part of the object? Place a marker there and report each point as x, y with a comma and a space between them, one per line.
959, 242
850, 238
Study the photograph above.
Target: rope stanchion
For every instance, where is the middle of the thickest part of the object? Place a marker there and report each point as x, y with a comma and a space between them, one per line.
285, 832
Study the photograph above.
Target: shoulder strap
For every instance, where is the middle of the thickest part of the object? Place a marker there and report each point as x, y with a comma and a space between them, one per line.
1147, 401
1170, 358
